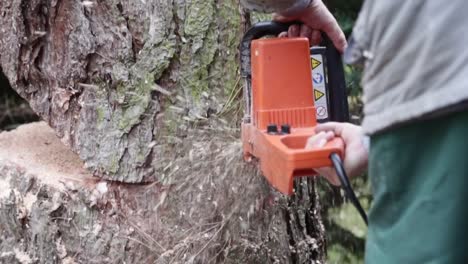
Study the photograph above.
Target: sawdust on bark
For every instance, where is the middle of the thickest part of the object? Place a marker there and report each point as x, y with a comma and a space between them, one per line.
209, 207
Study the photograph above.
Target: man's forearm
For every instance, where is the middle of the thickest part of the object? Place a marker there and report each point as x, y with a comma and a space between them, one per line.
285, 7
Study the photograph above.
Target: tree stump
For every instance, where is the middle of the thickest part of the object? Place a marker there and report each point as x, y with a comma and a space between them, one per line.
215, 208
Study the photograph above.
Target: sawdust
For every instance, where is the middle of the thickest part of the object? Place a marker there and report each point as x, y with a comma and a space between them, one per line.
28, 200
209, 207
5, 187
22, 257
37, 150
233, 216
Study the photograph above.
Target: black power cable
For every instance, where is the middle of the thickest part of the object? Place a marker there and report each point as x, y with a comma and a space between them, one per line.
346, 185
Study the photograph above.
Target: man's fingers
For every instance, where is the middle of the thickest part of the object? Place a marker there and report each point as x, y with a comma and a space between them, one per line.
315, 37
336, 127
280, 18
305, 31
319, 140
316, 141
332, 29
294, 31
318, 17
329, 25
283, 34
330, 135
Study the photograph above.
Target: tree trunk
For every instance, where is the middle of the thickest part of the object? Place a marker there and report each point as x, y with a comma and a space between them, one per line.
112, 76
215, 209
140, 91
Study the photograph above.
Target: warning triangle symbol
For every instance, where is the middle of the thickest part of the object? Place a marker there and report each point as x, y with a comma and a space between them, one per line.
315, 63
318, 94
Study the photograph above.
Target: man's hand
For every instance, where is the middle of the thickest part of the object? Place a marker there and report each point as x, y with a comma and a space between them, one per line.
316, 18
356, 153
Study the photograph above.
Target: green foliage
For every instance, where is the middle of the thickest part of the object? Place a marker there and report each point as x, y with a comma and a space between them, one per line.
346, 231
347, 218
353, 80
346, 13
353, 76
337, 254
350, 6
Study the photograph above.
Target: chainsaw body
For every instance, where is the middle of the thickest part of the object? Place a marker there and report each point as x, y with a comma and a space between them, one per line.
280, 113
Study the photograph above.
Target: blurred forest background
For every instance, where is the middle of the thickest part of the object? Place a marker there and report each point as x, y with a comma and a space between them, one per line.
345, 230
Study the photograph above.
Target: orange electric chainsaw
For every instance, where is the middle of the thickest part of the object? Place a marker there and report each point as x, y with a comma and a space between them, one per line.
289, 87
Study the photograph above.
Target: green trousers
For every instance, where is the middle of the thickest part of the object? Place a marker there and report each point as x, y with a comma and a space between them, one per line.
419, 177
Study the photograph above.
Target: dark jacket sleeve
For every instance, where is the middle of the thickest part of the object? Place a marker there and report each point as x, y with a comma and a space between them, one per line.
285, 7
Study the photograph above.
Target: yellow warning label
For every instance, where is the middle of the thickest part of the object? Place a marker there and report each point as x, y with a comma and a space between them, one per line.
318, 94
315, 63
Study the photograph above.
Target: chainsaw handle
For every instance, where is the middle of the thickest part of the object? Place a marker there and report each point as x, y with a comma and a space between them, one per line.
274, 28
335, 145
339, 111
338, 144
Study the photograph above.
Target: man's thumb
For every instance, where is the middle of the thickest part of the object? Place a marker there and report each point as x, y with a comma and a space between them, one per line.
280, 18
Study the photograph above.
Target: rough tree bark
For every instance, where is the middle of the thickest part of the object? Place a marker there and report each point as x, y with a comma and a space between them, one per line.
139, 90
111, 76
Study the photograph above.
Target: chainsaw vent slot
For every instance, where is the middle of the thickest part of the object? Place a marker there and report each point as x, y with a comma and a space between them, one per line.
304, 173
295, 142
295, 117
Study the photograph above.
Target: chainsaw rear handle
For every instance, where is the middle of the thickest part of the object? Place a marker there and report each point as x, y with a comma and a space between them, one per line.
338, 103
336, 79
